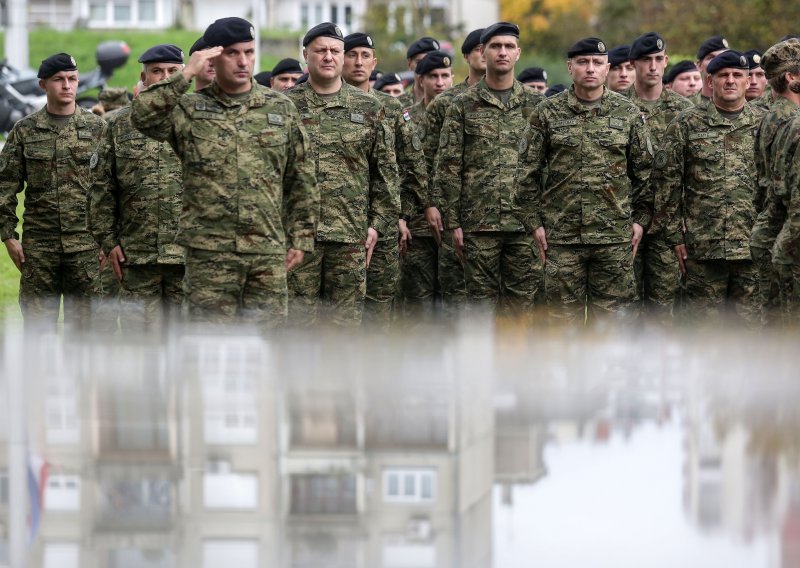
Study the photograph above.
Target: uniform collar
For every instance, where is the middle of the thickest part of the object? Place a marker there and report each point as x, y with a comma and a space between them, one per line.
342, 98
485, 92
717, 119
576, 105
223, 98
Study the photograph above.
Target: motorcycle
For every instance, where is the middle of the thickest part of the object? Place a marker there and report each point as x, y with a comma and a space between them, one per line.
21, 95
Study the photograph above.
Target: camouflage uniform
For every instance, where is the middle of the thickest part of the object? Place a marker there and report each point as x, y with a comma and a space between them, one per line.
138, 207
61, 258
249, 193
383, 273
706, 168
657, 274
771, 151
357, 178
480, 147
598, 159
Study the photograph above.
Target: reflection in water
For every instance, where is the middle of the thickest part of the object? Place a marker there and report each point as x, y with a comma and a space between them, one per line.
471, 446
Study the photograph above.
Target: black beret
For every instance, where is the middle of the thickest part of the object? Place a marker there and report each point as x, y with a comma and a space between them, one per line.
422, 45
727, 59
753, 58
164, 53
532, 74
647, 44
432, 61
555, 89
619, 55
472, 41
684, 66
325, 29
56, 63
714, 43
303, 78
358, 39
375, 75
387, 79
500, 28
263, 78
588, 46
199, 45
227, 31
288, 65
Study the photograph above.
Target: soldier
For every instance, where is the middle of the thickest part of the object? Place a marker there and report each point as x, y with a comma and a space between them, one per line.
594, 206
657, 277
285, 74
51, 154
374, 76
249, 187
110, 99
356, 174
483, 139
708, 50
206, 75
554, 90
621, 73
706, 167
390, 84
684, 78
758, 79
263, 78
134, 214
383, 273
776, 139
535, 78
416, 51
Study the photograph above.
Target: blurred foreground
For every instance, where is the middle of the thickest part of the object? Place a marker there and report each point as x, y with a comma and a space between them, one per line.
474, 445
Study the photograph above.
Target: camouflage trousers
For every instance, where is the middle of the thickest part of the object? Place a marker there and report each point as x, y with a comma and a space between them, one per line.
331, 280
716, 289
429, 272
658, 278
151, 295
230, 287
88, 294
789, 293
383, 278
590, 280
502, 270
768, 286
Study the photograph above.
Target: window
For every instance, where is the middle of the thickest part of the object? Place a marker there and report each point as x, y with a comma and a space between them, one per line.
224, 489
317, 14
304, 16
122, 12
348, 15
63, 493
323, 495
147, 10
97, 12
409, 485
334, 13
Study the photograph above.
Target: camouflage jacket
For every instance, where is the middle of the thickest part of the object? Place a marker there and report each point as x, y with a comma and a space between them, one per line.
248, 180
786, 249
598, 162
57, 166
408, 151
476, 167
353, 151
431, 127
706, 167
417, 224
138, 203
771, 152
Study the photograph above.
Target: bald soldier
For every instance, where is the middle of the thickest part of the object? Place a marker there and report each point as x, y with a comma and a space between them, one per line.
588, 220
353, 151
51, 154
250, 201
483, 140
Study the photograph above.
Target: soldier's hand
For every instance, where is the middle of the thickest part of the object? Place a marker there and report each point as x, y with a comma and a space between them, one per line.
405, 236
681, 254
372, 240
197, 62
458, 242
434, 219
14, 248
293, 259
117, 258
637, 230
541, 244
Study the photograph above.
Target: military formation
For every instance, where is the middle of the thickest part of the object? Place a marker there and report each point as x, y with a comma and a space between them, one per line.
332, 195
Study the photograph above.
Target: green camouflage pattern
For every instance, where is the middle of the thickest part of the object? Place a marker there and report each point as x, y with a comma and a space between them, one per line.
717, 288
150, 296
249, 184
356, 170
476, 168
430, 127
598, 162
706, 168
786, 250
137, 200
383, 284
56, 164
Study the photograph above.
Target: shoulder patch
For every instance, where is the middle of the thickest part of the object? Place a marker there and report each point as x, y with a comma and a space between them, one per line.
661, 159
357, 117
523, 145
406, 115
416, 142
93, 161
276, 119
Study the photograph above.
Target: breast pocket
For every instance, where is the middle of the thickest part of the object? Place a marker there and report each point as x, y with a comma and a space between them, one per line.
209, 144
39, 164
273, 144
130, 155
614, 145
483, 129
